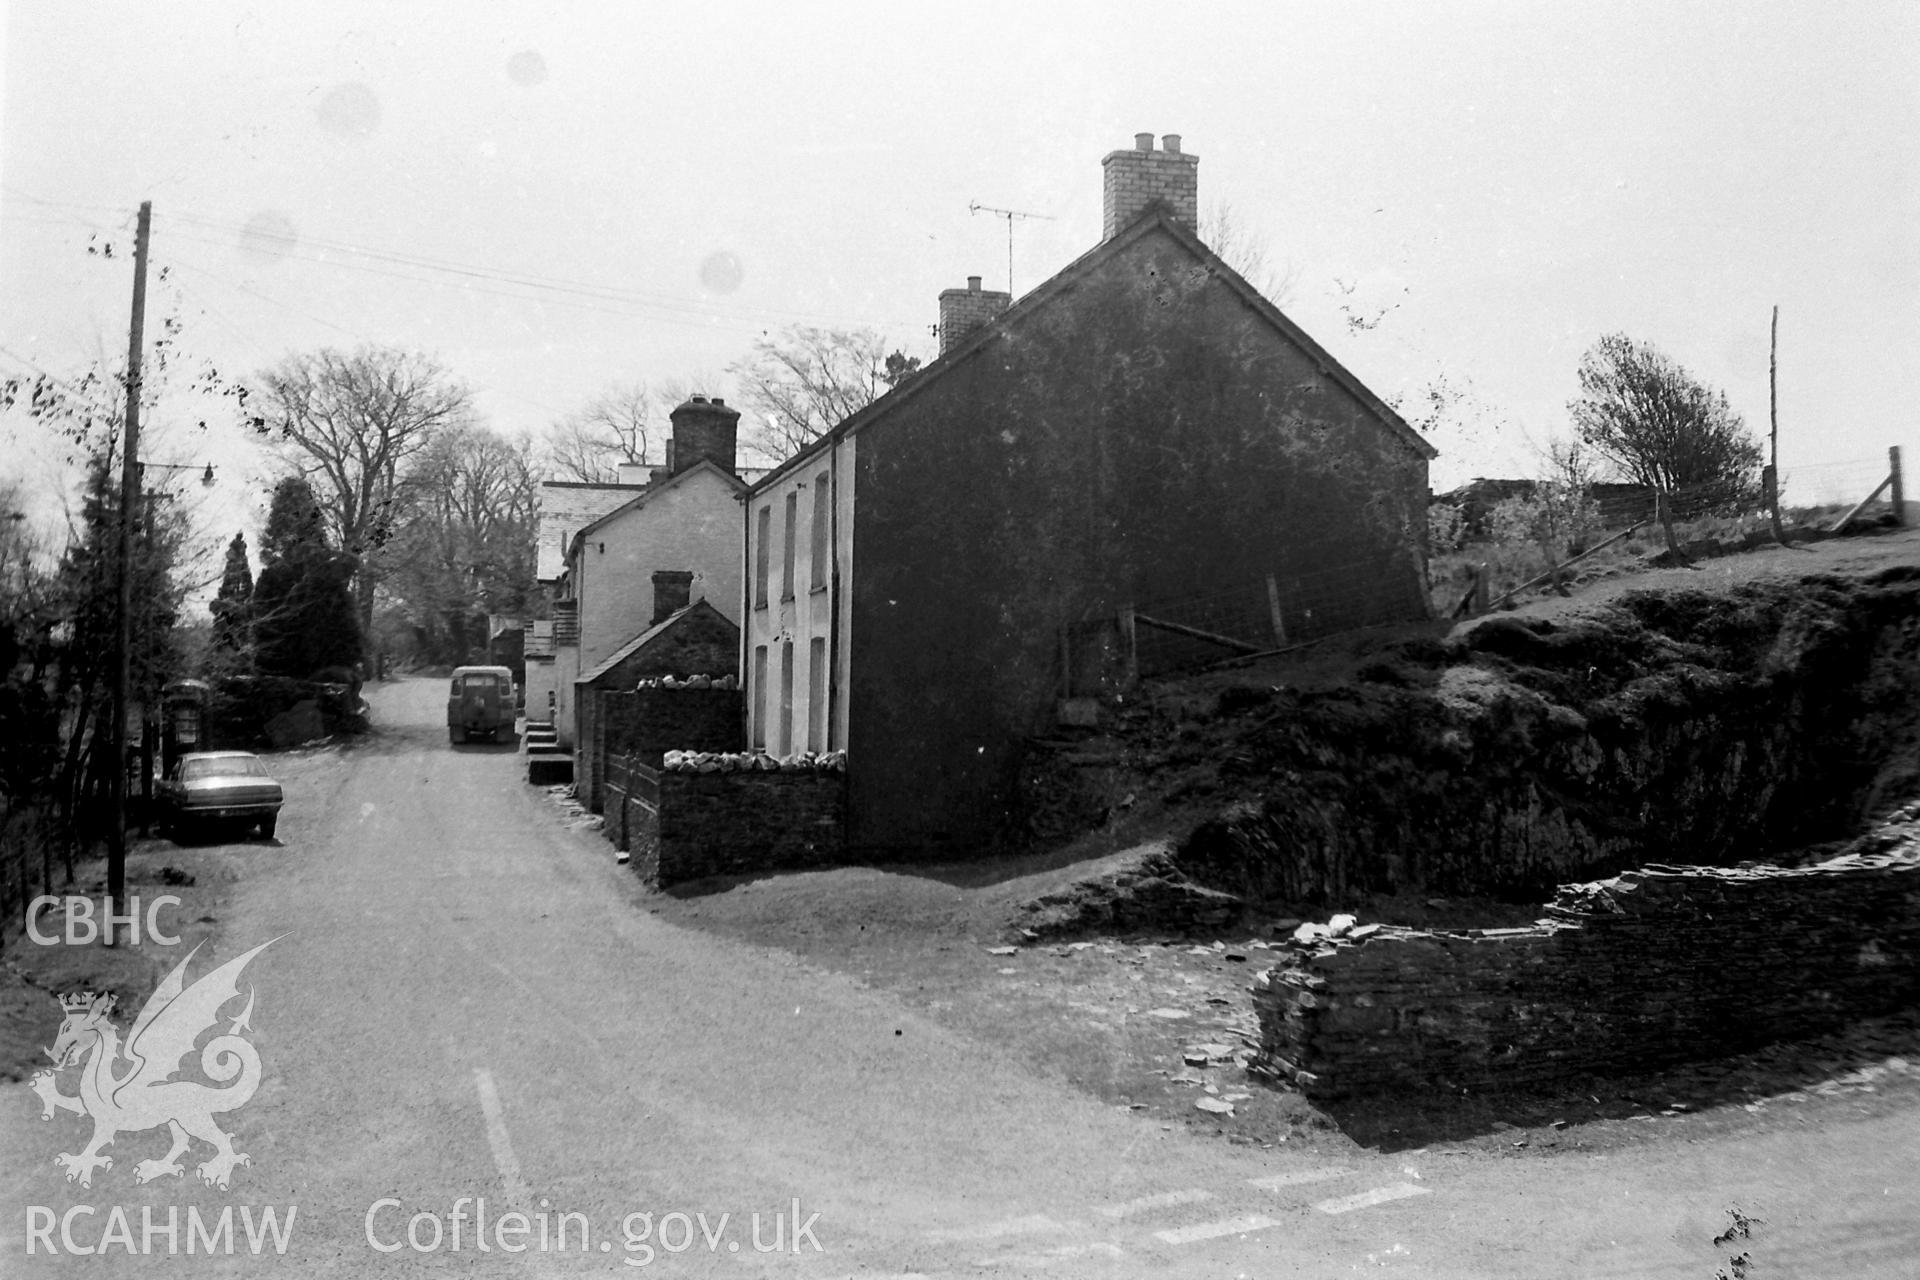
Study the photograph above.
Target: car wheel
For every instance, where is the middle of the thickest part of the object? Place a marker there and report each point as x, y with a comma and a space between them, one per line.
267, 825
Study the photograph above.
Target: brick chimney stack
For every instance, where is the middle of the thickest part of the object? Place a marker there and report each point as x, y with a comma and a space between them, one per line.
964, 310
1135, 179
703, 428
672, 591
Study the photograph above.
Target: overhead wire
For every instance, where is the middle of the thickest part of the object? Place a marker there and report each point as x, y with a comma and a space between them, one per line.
667, 307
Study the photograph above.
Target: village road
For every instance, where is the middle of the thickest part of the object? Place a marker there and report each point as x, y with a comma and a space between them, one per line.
467, 1001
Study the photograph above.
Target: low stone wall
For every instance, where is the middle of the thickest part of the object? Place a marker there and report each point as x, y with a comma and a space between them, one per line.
1659, 965
710, 824
649, 722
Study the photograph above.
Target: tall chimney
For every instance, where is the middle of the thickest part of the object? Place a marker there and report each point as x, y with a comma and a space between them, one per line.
1136, 179
704, 428
964, 310
672, 588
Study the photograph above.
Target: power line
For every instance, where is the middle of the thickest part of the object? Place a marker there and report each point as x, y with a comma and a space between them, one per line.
525, 280
637, 302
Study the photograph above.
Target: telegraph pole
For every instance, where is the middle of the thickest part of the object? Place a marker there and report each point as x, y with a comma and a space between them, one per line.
123, 638
1773, 429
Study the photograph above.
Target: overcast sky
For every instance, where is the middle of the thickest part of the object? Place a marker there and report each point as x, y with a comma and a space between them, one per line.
554, 197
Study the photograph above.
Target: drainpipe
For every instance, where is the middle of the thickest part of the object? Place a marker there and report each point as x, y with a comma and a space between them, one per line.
746, 618
833, 592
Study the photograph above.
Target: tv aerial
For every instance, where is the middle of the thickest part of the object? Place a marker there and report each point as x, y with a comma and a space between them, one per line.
1011, 215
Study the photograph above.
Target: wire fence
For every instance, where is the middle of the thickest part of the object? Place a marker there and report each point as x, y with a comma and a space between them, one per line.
1271, 613
1257, 615
1620, 522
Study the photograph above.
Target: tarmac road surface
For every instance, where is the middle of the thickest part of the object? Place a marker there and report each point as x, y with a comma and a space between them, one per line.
468, 1014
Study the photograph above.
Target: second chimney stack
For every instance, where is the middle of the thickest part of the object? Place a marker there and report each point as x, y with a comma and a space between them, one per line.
703, 428
962, 311
672, 589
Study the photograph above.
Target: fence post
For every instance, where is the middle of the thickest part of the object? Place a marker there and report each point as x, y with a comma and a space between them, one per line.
1066, 661
1273, 609
1481, 600
1130, 642
1663, 508
1899, 494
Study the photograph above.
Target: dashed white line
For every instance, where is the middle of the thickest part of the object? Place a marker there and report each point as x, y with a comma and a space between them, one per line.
995, 1230
503, 1158
1145, 1204
1213, 1230
1299, 1177
1379, 1195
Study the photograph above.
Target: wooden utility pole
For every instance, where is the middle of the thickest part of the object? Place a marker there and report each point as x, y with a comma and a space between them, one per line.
123, 638
1772, 479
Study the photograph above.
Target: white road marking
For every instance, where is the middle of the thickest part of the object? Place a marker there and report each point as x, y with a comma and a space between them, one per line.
1379, 1195
1298, 1177
995, 1230
1165, 1200
503, 1158
1213, 1230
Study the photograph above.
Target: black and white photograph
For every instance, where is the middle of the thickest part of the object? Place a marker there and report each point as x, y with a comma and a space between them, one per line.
848, 641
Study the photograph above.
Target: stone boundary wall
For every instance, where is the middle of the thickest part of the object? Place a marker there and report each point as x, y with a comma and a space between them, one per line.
1659, 965
650, 722
632, 796
711, 824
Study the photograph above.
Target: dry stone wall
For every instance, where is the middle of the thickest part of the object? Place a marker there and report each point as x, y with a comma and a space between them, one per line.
750, 817
1658, 965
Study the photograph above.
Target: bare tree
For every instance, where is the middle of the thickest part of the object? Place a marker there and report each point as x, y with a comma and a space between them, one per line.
590, 444
353, 421
1222, 230
804, 381
466, 546
1649, 417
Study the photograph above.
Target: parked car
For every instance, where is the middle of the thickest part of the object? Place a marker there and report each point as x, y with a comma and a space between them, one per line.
480, 703
207, 787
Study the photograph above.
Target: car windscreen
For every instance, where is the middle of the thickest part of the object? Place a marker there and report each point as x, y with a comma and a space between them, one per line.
229, 767
477, 683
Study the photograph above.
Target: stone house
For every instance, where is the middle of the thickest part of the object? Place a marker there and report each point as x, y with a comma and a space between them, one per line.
566, 507
685, 639
1142, 427
685, 520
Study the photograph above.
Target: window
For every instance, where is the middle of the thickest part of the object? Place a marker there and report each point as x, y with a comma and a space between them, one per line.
762, 532
817, 694
786, 697
793, 521
760, 697
821, 494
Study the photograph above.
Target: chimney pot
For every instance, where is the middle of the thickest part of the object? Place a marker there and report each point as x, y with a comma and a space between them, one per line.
717, 400
973, 284
1171, 144
1143, 142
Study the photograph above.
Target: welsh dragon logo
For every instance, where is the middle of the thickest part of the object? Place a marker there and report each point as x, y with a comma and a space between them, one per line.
131, 1087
